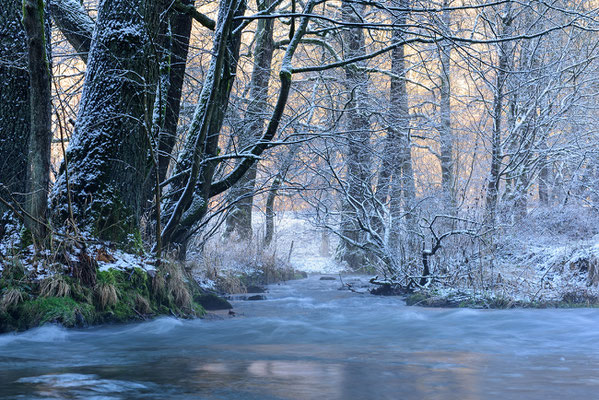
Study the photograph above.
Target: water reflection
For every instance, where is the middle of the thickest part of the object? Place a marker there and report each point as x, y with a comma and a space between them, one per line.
334, 374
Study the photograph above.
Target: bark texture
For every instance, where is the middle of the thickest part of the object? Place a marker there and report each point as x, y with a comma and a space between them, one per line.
14, 104
108, 153
189, 192
75, 24
40, 135
498, 100
403, 191
445, 131
181, 30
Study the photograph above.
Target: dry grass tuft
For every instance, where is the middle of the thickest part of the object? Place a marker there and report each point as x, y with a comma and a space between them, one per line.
176, 285
178, 289
159, 286
142, 305
12, 298
106, 294
55, 286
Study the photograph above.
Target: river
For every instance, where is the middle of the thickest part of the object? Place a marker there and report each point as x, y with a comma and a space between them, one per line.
309, 340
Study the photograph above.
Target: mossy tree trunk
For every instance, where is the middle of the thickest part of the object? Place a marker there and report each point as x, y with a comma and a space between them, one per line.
14, 104
108, 153
40, 136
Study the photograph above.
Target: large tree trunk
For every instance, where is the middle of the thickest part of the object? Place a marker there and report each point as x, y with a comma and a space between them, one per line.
40, 138
241, 196
358, 155
14, 104
108, 153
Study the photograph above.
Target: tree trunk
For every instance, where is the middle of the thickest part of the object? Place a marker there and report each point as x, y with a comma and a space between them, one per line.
241, 196
402, 192
40, 95
181, 30
196, 186
445, 132
272, 194
544, 173
75, 24
192, 179
358, 144
496, 153
15, 112
108, 153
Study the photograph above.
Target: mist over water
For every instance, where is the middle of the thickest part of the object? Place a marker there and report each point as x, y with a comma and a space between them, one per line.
309, 340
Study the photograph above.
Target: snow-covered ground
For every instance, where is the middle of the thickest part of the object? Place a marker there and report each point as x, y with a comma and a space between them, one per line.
310, 252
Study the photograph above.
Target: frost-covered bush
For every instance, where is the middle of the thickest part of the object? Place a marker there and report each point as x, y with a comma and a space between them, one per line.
229, 265
570, 223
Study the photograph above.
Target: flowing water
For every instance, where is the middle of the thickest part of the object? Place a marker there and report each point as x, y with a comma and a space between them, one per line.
309, 340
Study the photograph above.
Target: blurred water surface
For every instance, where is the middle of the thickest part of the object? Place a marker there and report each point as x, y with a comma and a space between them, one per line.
309, 340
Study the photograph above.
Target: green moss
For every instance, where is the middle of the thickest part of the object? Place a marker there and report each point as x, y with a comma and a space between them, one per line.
81, 293
139, 280
112, 220
63, 310
107, 277
138, 297
122, 311
197, 309
416, 298
26, 237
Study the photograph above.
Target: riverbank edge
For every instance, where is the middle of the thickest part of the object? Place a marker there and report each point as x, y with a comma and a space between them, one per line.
446, 297
462, 299
114, 296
